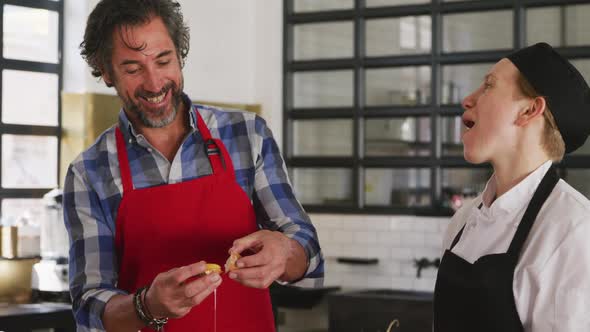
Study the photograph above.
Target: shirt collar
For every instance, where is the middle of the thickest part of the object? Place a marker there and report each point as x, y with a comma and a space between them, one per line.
129, 132
514, 200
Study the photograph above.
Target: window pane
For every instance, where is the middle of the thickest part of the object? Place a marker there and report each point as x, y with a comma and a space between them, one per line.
16, 208
17, 89
315, 5
398, 86
323, 40
323, 89
547, 24
465, 181
458, 81
30, 34
477, 31
547, 30
29, 161
408, 136
577, 25
398, 187
395, 36
579, 179
381, 3
584, 149
330, 186
451, 130
322, 137
583, 66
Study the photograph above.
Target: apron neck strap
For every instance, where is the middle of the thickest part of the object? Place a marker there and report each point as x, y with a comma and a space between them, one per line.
214, 148
526, 224
457, 238
123, 161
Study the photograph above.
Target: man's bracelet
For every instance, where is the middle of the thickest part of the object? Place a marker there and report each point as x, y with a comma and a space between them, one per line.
143, 313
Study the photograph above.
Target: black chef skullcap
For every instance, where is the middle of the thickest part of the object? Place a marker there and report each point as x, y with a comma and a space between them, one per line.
565, 90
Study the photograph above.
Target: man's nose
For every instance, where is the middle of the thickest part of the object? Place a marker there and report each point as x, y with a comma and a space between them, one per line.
152, 81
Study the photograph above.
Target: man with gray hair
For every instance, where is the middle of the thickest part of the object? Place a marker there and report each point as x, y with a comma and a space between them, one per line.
174, 186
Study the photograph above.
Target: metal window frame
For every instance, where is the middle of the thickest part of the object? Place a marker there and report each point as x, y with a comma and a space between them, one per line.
436, 59
41, 67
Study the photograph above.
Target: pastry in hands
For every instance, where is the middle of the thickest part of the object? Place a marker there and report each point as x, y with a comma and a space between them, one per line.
230, 264
212, 268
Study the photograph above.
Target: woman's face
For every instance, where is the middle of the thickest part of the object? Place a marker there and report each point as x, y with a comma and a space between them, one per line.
490, 115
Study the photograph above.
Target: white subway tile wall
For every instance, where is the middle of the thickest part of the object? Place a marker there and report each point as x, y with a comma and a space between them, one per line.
395, 240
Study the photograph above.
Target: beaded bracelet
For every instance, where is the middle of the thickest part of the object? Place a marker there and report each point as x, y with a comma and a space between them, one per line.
143, 313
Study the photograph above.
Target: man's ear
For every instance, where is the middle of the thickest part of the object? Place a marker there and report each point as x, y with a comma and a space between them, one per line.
534, 110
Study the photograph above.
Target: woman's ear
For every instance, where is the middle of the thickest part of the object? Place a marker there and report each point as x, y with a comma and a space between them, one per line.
534, 110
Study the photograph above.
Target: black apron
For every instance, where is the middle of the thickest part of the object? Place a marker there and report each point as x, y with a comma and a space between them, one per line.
478, 297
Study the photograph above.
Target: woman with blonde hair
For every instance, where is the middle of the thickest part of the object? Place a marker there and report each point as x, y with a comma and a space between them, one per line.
517, 257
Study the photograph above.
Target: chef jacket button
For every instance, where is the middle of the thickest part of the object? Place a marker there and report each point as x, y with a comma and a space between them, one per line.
149, 149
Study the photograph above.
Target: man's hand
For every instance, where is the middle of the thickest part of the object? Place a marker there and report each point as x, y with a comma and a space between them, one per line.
172, 294
275, 257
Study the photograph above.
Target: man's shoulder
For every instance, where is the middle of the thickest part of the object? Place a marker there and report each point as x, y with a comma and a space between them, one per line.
219, 117
97, 153
233, 123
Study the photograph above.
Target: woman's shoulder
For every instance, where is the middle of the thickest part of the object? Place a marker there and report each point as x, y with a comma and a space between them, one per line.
568, 203
564, 215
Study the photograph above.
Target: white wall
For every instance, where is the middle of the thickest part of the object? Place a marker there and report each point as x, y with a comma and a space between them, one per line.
269, 62
235, 55
74, 69
394, 240
221, 63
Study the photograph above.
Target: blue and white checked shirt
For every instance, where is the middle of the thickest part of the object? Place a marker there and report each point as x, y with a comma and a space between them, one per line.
93, 190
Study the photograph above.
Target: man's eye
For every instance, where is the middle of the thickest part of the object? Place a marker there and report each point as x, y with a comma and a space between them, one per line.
163, 63
132, 70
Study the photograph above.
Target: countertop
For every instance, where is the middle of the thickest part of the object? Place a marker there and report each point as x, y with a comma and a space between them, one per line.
25, 317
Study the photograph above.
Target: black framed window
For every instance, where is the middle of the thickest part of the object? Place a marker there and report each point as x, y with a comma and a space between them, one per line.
30, 101
372, 92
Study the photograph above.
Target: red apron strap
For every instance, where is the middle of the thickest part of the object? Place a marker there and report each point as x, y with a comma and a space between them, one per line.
123, 162
205, 133
229, 165
213, 146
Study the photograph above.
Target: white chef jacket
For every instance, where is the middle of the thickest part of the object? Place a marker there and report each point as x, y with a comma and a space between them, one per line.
552, 278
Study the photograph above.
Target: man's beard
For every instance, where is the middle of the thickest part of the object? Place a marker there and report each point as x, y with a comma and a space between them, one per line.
157, 119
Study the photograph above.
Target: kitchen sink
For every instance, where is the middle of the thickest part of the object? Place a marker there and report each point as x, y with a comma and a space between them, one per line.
374, 310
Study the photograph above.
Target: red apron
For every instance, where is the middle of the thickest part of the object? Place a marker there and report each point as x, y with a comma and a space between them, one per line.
168, 226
